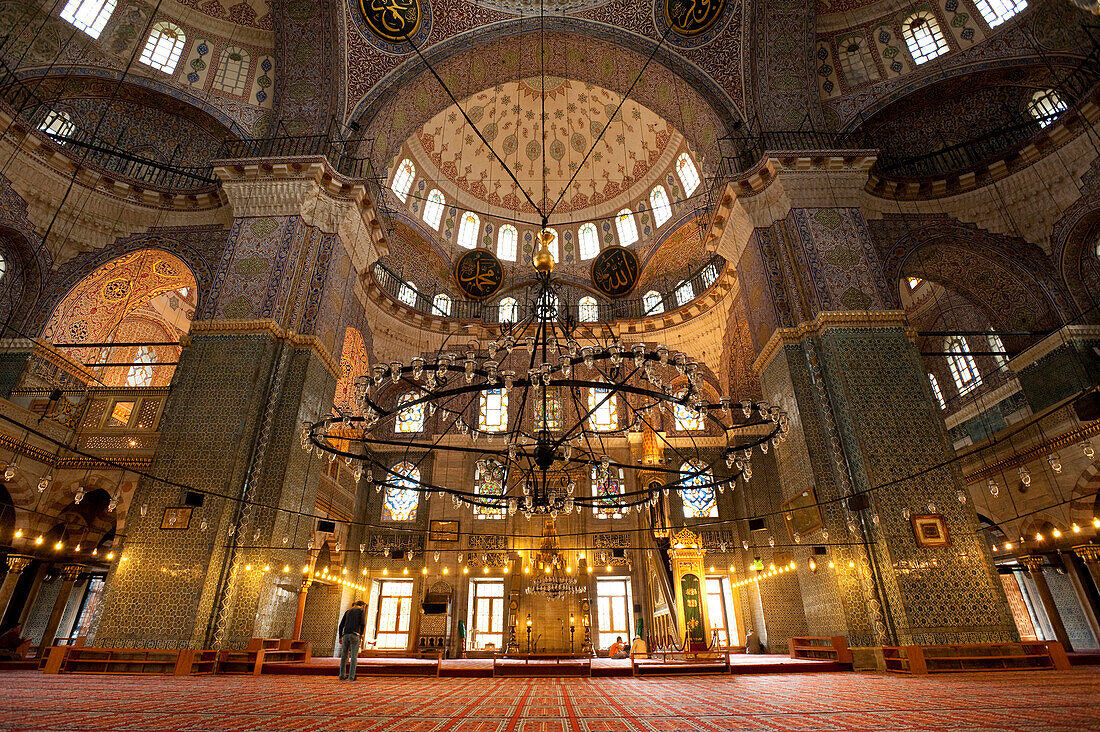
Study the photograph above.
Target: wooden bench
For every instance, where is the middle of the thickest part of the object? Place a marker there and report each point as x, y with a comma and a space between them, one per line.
259, 651
1036, 655
160, 661
663, 662
821, 648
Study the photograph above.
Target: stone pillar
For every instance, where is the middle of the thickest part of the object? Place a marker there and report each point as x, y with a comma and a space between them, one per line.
68, 578
32, 593
1090, 555
1034, 564
867, 438
301, 612
16, 565
261, 358
1088, 607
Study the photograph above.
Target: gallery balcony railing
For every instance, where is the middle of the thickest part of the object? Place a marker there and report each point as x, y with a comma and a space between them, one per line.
350, 158
686, 287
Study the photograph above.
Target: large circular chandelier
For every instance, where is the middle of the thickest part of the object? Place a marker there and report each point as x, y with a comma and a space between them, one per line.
538, 466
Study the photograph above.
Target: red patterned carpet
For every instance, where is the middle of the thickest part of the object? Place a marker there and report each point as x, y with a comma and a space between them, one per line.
992, 702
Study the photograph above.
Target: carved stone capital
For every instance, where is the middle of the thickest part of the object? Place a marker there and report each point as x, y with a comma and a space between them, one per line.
1089, 553
17, 563
1033, 562
70, 572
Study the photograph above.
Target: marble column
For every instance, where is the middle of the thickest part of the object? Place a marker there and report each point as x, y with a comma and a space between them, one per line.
261, 359
300, 614
1034, 564
32, 593
69, 576
1078, 579
16, 565
1090, 555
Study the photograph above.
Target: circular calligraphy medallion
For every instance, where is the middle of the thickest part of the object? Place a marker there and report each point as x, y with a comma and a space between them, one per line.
692, 17
478, 274
615, 271
392, 20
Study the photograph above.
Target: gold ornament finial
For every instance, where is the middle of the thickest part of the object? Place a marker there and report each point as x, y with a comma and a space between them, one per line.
543, 260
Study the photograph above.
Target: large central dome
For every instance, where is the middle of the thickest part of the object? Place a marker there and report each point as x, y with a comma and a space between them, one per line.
636, 149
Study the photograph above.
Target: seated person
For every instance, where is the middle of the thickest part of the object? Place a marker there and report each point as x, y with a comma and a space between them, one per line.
12, 646
617, 649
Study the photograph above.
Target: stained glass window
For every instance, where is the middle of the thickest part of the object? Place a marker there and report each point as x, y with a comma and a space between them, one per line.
441, 304
407, 294
710, 274
685, 293
508, 312
507, 240
689, 175
997, 346
698, 492
628, 230
653, 303
400, 499
662, 208
409, 419
433, 208
604, 410
686, 417
164, 46
913, 282
548, 417
403, 179
493, 411
996, 12
468, 230
589, 240
936, 391
856, 62
606, 492
963, 369
1045, 106
923, 37
232, 73
141, 373
90, 16
58, 124
489, 481
588, 310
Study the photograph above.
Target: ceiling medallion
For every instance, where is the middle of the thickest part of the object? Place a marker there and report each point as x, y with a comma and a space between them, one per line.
392, 20
615, 271
536, 367
479, 274
692, 17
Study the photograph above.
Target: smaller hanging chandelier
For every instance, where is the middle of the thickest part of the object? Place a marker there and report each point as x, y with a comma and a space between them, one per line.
554, 582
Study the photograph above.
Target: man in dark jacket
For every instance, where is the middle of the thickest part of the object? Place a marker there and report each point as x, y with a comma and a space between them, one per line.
352, 627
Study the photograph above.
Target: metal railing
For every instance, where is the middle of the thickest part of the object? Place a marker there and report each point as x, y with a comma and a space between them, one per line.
688, 286
350, 158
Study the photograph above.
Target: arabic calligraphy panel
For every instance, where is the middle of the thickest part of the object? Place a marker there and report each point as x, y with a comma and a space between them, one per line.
478, 274
615, 271
692, 17
391, 20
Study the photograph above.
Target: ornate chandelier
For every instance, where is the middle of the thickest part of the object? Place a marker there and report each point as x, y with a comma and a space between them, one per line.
556, 579
534, 366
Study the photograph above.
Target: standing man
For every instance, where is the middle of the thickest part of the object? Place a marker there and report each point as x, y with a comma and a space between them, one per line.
352, 627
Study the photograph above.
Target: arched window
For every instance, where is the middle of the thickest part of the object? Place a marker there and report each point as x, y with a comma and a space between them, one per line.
507, 242
686, 417
856, 62
653, 303
409, 419
913, 282
401, 497
489, 481
468, 230
232, 73
963, 369
936, 391
1045, 106
661, 206
697, 493
407, 294
508, 311
628, 230
685, 293
90, 16
141, 373
493, 411
548, 410
604, 410
164, 46
607, 491
441, 304
688, 174
589, 240
589, 310
403, 180
997, 347
923, 37
709, 275
433, 208
996, 12
58, 125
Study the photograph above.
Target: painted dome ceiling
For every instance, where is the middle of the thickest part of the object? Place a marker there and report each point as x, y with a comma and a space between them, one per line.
634, 152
